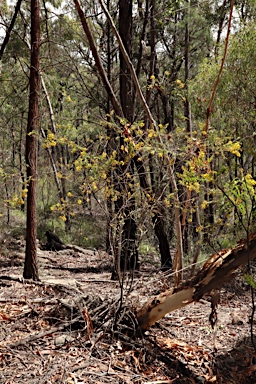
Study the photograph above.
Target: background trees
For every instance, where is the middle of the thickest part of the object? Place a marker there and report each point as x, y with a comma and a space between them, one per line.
103, 162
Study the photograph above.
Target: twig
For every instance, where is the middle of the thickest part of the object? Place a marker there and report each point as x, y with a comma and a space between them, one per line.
40, 335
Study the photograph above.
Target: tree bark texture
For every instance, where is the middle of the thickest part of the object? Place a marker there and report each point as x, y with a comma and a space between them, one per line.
218, 269
30, 267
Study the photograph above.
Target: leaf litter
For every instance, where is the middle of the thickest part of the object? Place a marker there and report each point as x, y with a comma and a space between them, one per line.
63, 328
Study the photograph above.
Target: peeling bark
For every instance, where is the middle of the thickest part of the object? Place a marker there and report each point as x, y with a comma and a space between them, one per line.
217, 270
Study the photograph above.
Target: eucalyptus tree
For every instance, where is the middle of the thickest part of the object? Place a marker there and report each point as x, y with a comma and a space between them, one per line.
30, 266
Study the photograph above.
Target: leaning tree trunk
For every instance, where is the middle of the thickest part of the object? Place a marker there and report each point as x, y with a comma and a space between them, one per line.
30, 267
218, 269
10, 28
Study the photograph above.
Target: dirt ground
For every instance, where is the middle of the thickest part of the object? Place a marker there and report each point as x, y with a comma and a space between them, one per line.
64, 329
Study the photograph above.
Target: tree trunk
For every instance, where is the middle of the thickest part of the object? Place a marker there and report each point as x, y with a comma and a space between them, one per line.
179, 258
164, 248
129, 252
157, 219
187, 110
30, 267
58, 161
223, 14
10, 28
218, 269
109, 204
52, 160
126, 84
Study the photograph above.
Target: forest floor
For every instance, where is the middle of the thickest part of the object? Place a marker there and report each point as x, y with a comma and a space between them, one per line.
62, 329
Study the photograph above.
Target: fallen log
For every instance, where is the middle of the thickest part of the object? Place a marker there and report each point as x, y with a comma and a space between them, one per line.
217, 270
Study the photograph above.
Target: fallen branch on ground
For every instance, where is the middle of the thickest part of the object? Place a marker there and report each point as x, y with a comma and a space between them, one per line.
217, 270
29, 339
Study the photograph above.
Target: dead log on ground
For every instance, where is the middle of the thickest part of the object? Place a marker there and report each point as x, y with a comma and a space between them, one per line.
55, 244
217, 270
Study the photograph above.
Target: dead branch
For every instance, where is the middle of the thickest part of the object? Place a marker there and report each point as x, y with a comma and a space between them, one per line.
31, 338
219, 269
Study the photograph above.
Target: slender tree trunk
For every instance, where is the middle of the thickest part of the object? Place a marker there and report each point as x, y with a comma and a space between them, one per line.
142, 40
152, 59
109, 231
21, 161
157, 219
129, 65
9, 29
199, 241
179, 259
209, 107
58, 164
52, 160
129, 252
126, 83
221, 25
30, 267
187, 110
